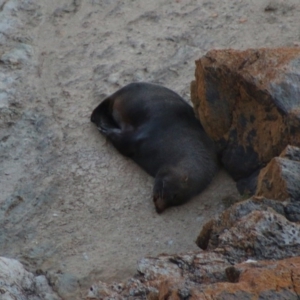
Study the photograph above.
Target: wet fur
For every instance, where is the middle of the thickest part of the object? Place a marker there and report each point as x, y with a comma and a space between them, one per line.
158, 130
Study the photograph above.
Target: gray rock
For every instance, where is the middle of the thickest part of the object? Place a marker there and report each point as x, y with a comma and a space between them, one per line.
18, 284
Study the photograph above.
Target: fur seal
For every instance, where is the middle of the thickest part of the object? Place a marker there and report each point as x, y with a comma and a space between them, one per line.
157, 129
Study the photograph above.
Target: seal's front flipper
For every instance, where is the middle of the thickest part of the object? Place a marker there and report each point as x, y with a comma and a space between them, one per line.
123, 140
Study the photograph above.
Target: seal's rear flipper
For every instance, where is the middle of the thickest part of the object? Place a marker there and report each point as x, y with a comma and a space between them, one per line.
102, 116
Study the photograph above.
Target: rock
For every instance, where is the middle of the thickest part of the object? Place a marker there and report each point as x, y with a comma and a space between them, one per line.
18, 284
66, 285
247, 102
255, 228
247, 186
291, 152
247, 280
280, 179
292, 211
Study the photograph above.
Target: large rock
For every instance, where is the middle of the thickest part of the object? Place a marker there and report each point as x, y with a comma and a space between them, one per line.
18, 284
256, 228
248, 102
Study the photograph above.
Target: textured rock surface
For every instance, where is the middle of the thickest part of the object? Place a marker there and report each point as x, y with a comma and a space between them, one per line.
18, 284
256, 228
206, 276
280, 179
248, 102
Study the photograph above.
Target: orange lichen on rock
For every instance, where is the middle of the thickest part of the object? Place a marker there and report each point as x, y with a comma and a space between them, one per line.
247, 102
280, 278
270, 181
257, 280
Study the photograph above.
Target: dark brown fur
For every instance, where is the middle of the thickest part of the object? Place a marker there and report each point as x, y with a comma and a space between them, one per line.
158, 130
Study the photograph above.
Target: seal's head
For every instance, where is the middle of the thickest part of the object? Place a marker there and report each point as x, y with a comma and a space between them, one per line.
171, 188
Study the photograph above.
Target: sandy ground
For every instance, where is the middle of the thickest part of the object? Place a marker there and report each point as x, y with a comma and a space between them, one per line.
69, 202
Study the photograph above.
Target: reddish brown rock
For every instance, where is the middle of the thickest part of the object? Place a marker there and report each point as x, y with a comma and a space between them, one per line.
248, 102
259, 280
256, 280
280, 179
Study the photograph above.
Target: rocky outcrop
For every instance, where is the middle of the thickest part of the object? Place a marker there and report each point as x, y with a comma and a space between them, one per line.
247, 280
248, 102
18, 284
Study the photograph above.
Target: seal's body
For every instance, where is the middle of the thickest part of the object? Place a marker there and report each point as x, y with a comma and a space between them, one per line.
156, 128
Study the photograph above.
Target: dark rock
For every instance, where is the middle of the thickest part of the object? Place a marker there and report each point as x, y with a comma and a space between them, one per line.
292, 211
248, 185
247, 102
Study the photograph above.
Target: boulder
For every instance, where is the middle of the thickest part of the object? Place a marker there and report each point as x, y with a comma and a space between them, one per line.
253, 229
248, 102
18, 284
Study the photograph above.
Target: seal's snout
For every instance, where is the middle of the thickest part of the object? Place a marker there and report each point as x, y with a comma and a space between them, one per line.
159, 203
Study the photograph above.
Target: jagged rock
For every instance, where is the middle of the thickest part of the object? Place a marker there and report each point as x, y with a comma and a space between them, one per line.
291, 152
248, 280
280, 179
66, 285
255, 228
198, 267
247, 102
18, 284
